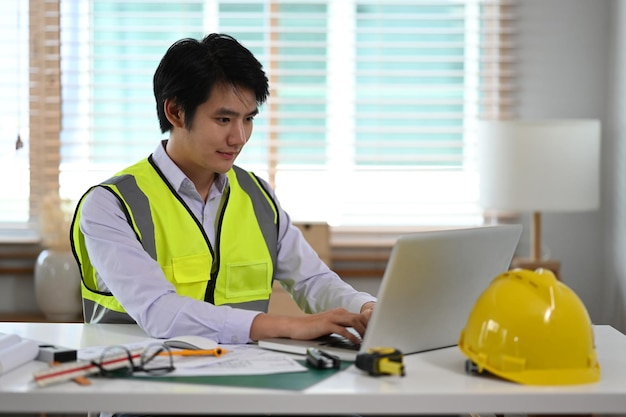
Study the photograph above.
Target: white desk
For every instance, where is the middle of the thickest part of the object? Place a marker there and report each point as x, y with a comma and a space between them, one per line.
435, 383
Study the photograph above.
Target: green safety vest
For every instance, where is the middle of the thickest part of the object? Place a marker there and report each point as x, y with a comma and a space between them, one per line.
238, 271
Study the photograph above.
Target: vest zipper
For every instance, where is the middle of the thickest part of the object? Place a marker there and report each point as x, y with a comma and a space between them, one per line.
215, 268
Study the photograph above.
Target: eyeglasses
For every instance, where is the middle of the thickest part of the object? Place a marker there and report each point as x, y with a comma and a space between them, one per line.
119, 361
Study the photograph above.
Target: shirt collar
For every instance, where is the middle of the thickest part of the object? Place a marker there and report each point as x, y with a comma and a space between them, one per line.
174, 175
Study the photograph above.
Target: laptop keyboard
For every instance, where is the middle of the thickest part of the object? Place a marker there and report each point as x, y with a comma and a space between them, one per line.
338, 341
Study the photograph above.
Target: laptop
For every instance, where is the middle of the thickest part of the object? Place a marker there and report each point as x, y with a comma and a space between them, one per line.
428, 290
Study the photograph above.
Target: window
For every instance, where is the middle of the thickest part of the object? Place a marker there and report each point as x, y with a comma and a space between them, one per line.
372, 103
14, 191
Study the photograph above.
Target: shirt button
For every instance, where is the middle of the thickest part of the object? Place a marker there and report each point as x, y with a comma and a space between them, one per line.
234, 340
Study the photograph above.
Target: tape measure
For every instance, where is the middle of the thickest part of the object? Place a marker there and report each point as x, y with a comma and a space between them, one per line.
381, 361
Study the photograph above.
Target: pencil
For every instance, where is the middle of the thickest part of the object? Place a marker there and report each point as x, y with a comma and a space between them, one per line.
196, 352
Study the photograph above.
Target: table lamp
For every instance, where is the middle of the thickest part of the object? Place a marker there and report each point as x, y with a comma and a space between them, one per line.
539, 166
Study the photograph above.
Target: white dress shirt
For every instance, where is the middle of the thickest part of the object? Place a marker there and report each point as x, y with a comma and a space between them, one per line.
139, 284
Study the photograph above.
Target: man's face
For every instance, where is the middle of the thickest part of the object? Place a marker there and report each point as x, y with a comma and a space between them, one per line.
220, 128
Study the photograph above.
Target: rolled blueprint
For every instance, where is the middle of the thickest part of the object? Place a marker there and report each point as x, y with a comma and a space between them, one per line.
15, 351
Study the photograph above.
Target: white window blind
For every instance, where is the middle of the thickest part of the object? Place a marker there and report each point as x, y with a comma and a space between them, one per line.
14, 174
372, 104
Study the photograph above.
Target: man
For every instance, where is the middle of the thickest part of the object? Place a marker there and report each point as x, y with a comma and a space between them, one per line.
185, 242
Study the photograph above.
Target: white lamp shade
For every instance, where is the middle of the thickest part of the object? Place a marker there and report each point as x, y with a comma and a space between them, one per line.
540, 165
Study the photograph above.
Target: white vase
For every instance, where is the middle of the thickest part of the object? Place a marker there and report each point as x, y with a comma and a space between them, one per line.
57, 285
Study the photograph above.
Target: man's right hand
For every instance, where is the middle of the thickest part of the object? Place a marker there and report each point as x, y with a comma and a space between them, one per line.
310, 326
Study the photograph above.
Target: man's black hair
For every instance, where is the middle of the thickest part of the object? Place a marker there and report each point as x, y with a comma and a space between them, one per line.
190, 69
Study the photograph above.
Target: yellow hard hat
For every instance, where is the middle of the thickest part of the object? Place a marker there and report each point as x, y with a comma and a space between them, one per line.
530, 328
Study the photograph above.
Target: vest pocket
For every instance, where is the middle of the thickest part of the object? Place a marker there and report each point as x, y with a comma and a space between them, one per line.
247, 281
190, 274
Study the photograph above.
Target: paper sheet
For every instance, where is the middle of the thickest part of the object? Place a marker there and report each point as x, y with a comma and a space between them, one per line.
240, 360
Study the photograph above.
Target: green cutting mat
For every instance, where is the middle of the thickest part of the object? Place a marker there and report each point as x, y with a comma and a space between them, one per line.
293, 381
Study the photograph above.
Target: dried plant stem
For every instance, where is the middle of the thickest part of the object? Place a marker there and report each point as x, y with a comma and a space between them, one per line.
55, 221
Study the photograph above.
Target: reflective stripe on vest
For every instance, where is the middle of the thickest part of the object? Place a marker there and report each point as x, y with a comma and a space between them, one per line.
240, 270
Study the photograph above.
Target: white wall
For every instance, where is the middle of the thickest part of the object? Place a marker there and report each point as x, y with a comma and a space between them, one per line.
615, 170
564, 51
